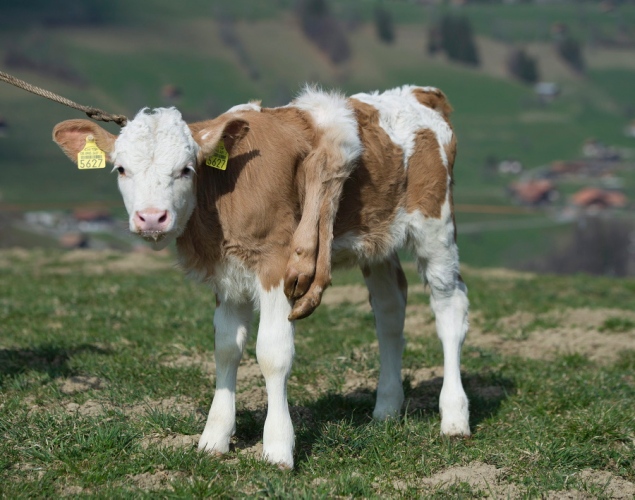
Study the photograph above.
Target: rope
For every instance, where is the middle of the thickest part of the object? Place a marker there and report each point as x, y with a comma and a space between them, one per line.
94, 113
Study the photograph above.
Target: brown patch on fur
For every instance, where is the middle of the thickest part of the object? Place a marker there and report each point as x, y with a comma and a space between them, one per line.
427, 176
248, 211
375, 189
70, 135
434, 99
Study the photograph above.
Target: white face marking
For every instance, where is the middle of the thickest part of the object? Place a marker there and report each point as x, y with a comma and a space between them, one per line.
155, 155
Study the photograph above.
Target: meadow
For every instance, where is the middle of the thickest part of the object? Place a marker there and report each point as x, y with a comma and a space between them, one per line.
107, 370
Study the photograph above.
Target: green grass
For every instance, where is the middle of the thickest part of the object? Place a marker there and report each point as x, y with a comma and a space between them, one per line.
541, 421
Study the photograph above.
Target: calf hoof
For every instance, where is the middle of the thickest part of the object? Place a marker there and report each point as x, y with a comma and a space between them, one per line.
305, 306
388, 407
455, 417
296, 283
215, 447
280, 457
300, 273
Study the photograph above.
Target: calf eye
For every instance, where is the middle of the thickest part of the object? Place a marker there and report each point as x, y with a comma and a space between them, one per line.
187, 171
121, 170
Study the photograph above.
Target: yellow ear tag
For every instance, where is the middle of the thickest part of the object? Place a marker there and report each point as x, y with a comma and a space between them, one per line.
91, 156
219, 158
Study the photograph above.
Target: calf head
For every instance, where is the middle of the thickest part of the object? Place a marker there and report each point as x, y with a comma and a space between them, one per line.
156, 157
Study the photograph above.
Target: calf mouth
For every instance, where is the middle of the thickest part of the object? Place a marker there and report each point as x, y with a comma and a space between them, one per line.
152, 236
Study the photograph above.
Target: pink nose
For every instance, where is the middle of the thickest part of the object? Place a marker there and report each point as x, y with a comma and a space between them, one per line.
152, 219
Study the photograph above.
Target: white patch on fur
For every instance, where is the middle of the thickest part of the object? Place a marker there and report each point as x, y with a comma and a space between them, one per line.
334, 116
250, 106
402, 116
231, 280
153, 148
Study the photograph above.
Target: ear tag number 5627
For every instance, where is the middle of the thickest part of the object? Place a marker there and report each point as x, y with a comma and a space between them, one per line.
91, 156
219, 158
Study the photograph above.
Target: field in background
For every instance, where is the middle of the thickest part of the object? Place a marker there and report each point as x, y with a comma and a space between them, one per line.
106, 375
127, 57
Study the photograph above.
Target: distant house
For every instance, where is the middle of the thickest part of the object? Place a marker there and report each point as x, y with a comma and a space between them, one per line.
92, 215
594, 149
73, 240
93, 220
547, 91
534, 192
596, 198
513, 167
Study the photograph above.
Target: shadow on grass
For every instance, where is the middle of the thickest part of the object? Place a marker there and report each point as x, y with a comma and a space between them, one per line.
486, 393
47, 358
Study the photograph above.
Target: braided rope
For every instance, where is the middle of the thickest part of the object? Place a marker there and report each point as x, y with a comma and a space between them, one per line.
94, 113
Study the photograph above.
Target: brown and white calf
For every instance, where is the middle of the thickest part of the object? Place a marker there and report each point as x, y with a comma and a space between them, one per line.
265, 224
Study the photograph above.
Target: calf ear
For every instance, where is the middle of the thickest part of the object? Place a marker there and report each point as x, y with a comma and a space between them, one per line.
71, 137
209, 134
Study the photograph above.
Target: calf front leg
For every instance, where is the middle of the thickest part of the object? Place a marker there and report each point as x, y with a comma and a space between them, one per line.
275, 351
231, 324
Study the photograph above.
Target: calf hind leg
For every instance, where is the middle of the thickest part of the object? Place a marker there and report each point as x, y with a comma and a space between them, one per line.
388, 289
438, 263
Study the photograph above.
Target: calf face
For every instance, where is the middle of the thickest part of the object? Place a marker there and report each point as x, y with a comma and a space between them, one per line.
156, 157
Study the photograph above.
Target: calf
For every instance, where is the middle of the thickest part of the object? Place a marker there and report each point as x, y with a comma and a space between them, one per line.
270, 222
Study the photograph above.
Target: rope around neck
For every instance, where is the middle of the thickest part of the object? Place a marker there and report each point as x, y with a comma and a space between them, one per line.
94, 113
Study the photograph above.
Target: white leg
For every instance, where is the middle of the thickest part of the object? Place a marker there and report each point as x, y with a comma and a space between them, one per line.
388, 289
438, 261
231, 323
275, 352
450, 309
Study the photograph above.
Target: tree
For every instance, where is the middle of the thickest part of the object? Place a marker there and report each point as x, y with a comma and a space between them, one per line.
454, 36
569, 49
323, 30
384, 25
523, 66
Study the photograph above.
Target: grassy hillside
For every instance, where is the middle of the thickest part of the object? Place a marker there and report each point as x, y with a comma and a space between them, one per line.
107, 369
130, 53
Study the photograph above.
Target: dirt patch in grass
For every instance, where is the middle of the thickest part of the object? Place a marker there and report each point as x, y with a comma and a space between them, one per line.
158, 480
204, 361
102, 262
250, 390
173, 441
80, 383
483, 477
576, 331
93, 407
613, 486
491, 481
581, 331
347, 294
88, 262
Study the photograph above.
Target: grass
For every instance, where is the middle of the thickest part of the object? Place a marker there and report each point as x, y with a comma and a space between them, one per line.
538, 421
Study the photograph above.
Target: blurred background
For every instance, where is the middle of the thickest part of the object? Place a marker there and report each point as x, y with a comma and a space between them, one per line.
543, 92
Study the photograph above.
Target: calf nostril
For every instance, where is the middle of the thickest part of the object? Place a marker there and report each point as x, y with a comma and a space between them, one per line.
164, 217
140, 217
